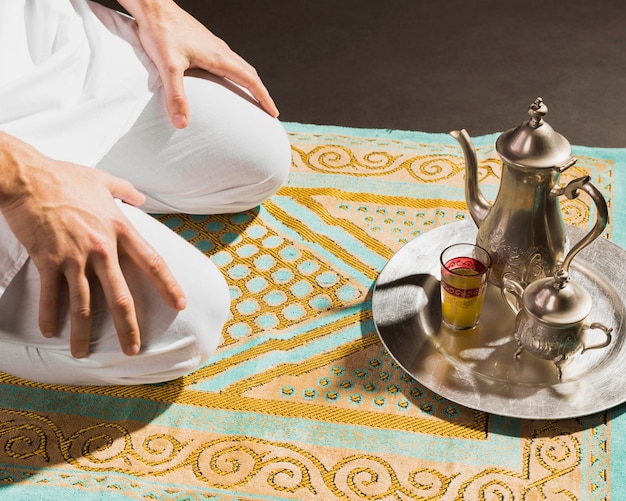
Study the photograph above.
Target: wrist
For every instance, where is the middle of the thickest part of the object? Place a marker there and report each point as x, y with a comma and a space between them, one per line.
14, 156
144, 11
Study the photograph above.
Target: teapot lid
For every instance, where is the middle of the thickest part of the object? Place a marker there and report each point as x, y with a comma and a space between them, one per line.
535, 143
557, 300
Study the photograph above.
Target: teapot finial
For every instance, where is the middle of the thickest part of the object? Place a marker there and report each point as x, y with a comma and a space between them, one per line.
561, 278
537, 111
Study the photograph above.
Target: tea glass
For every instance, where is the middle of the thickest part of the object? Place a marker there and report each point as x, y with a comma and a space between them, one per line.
464, 273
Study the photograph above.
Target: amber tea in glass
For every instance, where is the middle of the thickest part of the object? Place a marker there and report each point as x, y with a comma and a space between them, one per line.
464, 272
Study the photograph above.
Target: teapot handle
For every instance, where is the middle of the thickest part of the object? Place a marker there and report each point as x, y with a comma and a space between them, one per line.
571, 191
511, 285
607, 332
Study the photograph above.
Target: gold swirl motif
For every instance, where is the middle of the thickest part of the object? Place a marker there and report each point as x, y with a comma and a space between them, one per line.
286, 479
431, 170
339, 159
556, 453
234, 462
575, 212
425, 168
111, 446
497, 490
549, 455
371, 477
164, 446
23, 441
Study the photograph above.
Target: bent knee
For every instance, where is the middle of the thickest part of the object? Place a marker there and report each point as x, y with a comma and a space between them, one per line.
195, 334
184, 347
265, 170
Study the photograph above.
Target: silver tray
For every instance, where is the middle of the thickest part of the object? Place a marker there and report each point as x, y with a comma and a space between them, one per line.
478, 369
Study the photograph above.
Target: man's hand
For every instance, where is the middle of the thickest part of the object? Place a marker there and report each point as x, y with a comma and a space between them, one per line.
66, 217
176, 42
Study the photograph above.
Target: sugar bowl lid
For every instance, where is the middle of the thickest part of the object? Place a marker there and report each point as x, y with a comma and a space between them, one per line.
535, 143
557, 300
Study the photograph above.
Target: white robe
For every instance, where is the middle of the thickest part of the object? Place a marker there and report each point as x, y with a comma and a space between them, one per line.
76, 84
63, 62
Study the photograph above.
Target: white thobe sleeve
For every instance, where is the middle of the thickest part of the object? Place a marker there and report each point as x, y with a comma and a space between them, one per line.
73, 79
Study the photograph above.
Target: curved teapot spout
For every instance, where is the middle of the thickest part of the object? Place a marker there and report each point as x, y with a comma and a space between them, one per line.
476, 203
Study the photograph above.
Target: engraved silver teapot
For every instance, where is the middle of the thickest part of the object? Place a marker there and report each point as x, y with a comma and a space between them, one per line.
524, 229
551, 312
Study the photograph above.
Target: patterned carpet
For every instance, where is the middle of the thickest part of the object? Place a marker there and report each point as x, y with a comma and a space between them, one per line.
302, 402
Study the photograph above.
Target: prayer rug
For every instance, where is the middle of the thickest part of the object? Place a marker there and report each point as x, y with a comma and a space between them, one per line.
301, 401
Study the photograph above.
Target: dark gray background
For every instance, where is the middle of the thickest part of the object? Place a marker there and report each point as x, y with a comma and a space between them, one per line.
433, 65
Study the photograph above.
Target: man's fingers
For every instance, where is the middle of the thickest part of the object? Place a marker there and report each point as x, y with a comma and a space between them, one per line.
121, 304
48, 303
242, 73
80, 314
154, 267
122, 189
177, 106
